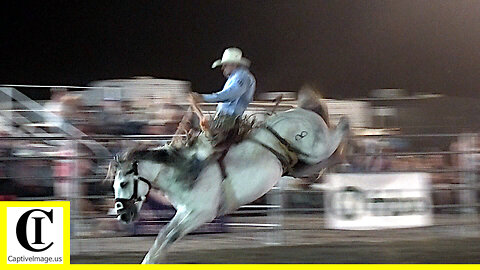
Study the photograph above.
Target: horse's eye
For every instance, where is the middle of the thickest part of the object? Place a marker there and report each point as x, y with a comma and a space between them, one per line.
123, 184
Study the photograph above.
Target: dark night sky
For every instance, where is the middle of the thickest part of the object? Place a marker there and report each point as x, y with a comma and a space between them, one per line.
344, 47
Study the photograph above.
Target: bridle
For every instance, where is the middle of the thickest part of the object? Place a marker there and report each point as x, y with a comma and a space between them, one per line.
127, 203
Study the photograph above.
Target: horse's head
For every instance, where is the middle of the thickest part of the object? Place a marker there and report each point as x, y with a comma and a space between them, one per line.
130, 189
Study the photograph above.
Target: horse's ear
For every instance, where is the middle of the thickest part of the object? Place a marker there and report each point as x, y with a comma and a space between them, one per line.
135, 167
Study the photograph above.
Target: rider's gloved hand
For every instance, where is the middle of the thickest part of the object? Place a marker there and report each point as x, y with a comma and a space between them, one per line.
195, 98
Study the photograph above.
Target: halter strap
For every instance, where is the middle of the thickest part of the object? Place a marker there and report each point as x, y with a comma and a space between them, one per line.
148, 183
137, 178
135, 173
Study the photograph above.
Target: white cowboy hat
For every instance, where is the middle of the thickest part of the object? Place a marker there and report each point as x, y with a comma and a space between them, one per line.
232, 56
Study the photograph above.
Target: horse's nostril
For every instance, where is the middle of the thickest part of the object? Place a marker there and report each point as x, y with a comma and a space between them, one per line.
124, 217
118, 206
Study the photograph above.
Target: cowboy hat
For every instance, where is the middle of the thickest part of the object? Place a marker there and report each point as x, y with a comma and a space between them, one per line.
232, 56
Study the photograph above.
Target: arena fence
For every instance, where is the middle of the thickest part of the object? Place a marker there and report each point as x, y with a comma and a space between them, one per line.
464, 187
461, 192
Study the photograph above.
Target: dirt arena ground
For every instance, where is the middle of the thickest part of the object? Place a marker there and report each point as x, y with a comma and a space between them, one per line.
453, 239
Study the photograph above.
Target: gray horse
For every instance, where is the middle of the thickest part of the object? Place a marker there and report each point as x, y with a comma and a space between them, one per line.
195, 184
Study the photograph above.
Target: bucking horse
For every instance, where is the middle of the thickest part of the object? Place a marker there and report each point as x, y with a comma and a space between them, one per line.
201, 188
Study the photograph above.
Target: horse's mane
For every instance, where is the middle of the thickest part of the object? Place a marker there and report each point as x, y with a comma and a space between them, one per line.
145, 152
190, 167
139, 152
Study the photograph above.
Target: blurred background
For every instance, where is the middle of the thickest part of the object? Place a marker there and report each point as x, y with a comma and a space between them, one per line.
83, 80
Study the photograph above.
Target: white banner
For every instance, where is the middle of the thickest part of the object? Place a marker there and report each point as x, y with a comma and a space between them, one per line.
377, 201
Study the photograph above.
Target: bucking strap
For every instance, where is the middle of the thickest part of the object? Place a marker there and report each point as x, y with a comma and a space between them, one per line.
286, 164
285, 142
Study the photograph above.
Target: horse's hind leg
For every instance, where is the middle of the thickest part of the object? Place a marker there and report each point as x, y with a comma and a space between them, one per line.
186, 223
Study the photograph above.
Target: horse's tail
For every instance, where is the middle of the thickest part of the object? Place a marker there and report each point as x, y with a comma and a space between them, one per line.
309, 99
336, 143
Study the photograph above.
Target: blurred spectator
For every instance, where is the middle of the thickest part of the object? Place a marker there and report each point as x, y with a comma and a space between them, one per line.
7, 184
71, 173
442, 193
64, 171
32, 177
54, 106
469, 163
166, 117
71, 109
113, 120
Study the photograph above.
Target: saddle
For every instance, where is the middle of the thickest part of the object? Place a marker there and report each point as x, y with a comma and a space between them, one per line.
225, 133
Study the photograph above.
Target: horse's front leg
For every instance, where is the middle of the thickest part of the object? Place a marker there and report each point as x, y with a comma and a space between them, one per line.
187, 223
152, 256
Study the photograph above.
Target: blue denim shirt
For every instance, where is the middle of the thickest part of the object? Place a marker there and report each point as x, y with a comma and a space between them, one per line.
236, 94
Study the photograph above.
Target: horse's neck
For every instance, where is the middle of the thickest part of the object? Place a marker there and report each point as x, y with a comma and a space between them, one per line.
161, 176
201, 148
